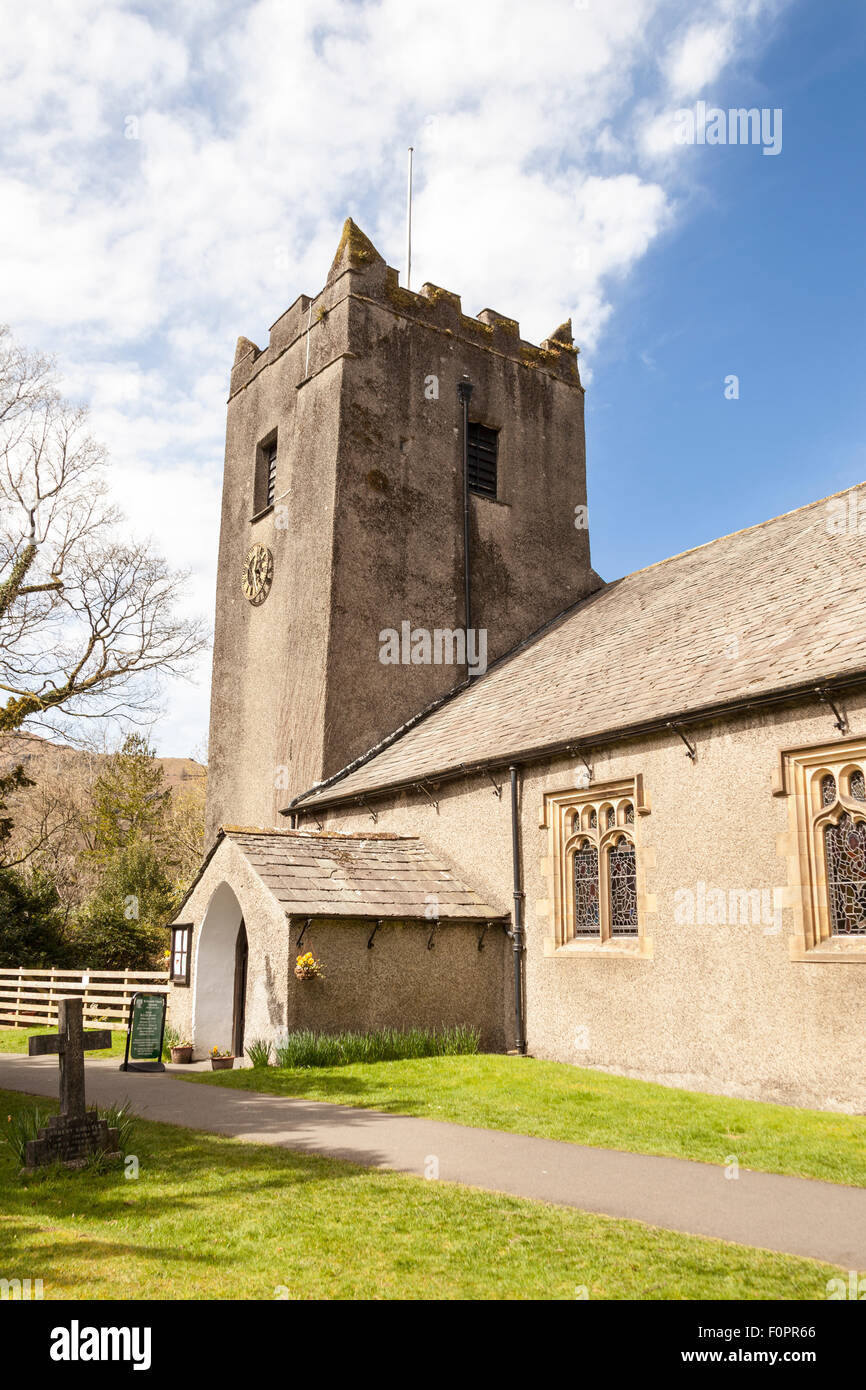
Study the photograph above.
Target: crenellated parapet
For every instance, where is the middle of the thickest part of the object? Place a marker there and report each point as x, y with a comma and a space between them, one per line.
359, 270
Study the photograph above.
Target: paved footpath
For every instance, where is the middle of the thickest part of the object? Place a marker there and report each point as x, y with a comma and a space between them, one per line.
797, 1215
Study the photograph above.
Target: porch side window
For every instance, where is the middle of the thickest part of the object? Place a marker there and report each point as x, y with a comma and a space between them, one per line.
181, 938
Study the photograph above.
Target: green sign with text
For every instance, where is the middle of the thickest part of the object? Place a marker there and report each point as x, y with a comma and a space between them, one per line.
145, 1035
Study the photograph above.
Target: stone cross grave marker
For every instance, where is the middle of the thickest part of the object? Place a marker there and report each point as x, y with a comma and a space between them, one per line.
73, 1135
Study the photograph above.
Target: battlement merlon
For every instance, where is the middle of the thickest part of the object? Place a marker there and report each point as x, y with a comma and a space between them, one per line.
358, 269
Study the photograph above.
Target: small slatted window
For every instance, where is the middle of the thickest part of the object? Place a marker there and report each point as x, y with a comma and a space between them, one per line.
271, 467
482, 453
265, 483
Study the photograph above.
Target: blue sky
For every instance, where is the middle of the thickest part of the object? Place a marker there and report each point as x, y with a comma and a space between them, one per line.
763, 277
172, 177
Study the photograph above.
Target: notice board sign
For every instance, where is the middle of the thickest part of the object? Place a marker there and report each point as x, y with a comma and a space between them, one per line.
145, 1033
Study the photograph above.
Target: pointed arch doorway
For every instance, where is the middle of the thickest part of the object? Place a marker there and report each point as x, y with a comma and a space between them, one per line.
220, 981
240, 991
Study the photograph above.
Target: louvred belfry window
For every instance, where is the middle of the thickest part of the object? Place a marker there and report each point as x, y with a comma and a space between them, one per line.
482, 459
271, 466
265, 482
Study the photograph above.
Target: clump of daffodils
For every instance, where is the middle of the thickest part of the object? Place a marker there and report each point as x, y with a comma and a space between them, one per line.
308, 968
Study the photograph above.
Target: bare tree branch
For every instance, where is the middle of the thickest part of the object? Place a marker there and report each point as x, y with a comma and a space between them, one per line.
86, 614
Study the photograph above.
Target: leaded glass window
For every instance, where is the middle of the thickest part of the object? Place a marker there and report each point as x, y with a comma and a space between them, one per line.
623, 888
601, 872
846, 876
826, 845
586, 898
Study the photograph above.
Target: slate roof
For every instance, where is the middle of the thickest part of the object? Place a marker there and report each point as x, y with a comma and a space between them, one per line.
769, 609
323, 875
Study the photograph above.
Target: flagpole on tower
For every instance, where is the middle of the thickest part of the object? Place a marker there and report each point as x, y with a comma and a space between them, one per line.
409, 223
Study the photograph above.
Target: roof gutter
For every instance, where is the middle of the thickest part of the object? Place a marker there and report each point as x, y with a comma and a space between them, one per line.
542, 752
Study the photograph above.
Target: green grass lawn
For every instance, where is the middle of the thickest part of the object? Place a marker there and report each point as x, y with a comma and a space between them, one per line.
559, 1101
15, 1040
213, 1218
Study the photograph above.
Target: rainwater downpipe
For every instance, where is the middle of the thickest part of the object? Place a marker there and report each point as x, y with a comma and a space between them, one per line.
464, 391
517, 922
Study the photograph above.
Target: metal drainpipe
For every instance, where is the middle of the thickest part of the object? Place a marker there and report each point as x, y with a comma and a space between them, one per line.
517, 925
464, 391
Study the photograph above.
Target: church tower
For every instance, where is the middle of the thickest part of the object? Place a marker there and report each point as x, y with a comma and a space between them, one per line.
361, 474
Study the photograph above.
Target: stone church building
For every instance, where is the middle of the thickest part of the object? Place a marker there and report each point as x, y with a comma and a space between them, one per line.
621, 825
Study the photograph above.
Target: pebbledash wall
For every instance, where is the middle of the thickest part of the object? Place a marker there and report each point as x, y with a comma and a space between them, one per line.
398, 981
712, 1007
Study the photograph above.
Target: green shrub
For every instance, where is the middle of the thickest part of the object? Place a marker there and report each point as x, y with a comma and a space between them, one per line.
259, 1052
32, 928
22, 1126
105, 939
307, 1048
121, 1118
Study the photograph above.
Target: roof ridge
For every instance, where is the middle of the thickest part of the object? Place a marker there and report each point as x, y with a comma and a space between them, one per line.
743, 531
235, 830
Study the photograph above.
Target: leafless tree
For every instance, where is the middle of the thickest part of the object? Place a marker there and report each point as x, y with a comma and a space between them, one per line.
87, 614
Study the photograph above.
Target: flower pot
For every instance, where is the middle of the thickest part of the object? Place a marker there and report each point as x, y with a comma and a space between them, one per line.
222, 1063
181, 1054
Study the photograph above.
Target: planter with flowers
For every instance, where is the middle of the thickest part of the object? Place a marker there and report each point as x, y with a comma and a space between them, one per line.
221, 1061
181, 1052
308, 968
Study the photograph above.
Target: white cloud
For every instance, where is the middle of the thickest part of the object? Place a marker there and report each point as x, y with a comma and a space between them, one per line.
698, 57
260, 126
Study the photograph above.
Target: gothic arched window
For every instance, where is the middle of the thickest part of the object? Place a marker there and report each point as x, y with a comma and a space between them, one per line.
845, 845
601, 883
839, 831
586, 913
825, 847
622, 887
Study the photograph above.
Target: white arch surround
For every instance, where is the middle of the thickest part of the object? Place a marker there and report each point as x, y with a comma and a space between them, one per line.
213, 994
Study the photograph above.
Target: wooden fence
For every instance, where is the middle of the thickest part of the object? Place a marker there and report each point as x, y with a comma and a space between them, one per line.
28, 998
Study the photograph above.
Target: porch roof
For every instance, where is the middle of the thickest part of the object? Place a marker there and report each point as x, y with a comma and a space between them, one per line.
317, 874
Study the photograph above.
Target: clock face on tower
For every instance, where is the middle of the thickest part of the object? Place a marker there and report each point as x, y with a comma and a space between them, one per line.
258, 573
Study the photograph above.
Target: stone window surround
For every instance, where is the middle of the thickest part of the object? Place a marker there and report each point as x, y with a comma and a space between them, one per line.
798, 778
556, 816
